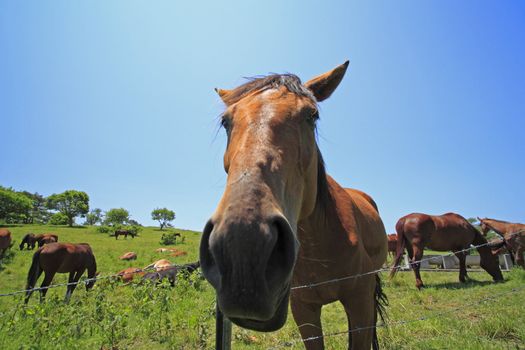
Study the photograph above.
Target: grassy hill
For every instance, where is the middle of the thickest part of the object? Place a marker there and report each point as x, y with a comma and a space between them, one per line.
114, 316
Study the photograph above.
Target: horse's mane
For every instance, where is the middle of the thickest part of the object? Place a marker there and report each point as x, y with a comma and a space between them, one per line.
323, 193
272, 81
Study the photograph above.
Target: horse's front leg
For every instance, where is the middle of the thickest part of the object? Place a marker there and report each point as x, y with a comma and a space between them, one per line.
361, 313
308, 319
73, 281
48, 278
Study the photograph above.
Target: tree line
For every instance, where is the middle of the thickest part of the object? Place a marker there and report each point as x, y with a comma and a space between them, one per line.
23, 207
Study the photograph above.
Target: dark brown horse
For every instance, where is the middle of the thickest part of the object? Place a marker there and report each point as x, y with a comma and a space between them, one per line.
124, 233
62, 258
5, 241
31, 239
447, 232
512, 233
283, 222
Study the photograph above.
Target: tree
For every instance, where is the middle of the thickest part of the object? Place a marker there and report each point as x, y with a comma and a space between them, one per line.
117, 216
71, 203
39, 214
58, 219
94, 217
14, 206
164, 216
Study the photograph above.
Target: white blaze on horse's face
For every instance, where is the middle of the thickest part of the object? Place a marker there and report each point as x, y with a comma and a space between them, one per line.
249, 245
271, 148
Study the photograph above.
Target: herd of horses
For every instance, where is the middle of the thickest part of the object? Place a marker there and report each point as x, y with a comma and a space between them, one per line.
52, 257
283, 222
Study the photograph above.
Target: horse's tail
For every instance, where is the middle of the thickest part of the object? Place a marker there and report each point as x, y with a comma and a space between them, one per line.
34, 270
381, 302
400, 247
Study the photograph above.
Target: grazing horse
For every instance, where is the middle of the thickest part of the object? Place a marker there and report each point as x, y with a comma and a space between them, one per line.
283, 222
512, 233
62, 258
392, 244
447, 232
31, 239
46, 238
5, 241
124, 233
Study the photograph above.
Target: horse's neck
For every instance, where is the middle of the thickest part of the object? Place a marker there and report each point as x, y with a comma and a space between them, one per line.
499, 227
92, 269
318, 232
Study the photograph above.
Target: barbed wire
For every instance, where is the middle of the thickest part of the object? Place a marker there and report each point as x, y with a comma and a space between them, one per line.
401, 322
383, 269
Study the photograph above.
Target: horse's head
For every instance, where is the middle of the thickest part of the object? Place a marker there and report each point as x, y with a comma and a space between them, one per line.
91, 280
25, 240
249, 245
485, 228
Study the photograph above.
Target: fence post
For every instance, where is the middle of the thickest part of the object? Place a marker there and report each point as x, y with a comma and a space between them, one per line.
223, 330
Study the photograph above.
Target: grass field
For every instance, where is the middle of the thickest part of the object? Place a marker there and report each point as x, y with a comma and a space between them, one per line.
475, 315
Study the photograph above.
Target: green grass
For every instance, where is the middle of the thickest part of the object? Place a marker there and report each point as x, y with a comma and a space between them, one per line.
148, 317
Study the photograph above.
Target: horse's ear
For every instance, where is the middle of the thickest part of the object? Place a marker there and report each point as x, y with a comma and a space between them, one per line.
325, 84
479, 219
223, 94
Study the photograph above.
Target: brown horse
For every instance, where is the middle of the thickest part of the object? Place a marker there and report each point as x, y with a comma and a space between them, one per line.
124, 233
128, 256
447, 232
5, 241
31, 239
392, 244
61, 258
283, 221
512, 233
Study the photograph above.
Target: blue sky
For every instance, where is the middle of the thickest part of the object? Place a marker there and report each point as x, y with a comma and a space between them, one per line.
116, 99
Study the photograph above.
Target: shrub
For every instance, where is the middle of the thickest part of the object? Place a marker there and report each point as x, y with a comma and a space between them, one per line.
59, 219
169, 238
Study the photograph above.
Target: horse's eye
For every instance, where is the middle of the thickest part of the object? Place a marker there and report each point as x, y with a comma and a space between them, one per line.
226, 123
312, 118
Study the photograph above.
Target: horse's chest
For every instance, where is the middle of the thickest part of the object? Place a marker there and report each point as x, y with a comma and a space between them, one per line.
307, 274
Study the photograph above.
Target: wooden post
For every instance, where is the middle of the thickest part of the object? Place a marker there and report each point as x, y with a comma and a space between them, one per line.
223, 331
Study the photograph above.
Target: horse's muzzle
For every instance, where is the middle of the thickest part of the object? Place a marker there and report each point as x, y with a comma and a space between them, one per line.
250, 266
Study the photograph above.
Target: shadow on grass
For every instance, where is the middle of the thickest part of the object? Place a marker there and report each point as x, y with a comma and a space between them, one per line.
459, 285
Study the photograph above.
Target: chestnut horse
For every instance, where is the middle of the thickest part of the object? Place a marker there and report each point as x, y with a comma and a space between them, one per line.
5, 241
447, 232
392, 244
61, 258
512, 233
283, 222
31, 239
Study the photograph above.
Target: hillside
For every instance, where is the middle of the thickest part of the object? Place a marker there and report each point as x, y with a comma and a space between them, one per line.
147, 317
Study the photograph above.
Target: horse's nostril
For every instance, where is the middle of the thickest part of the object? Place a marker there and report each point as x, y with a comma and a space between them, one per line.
208, 264
282, 258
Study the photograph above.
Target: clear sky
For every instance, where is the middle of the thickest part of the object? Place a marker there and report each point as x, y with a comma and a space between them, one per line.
116, 98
